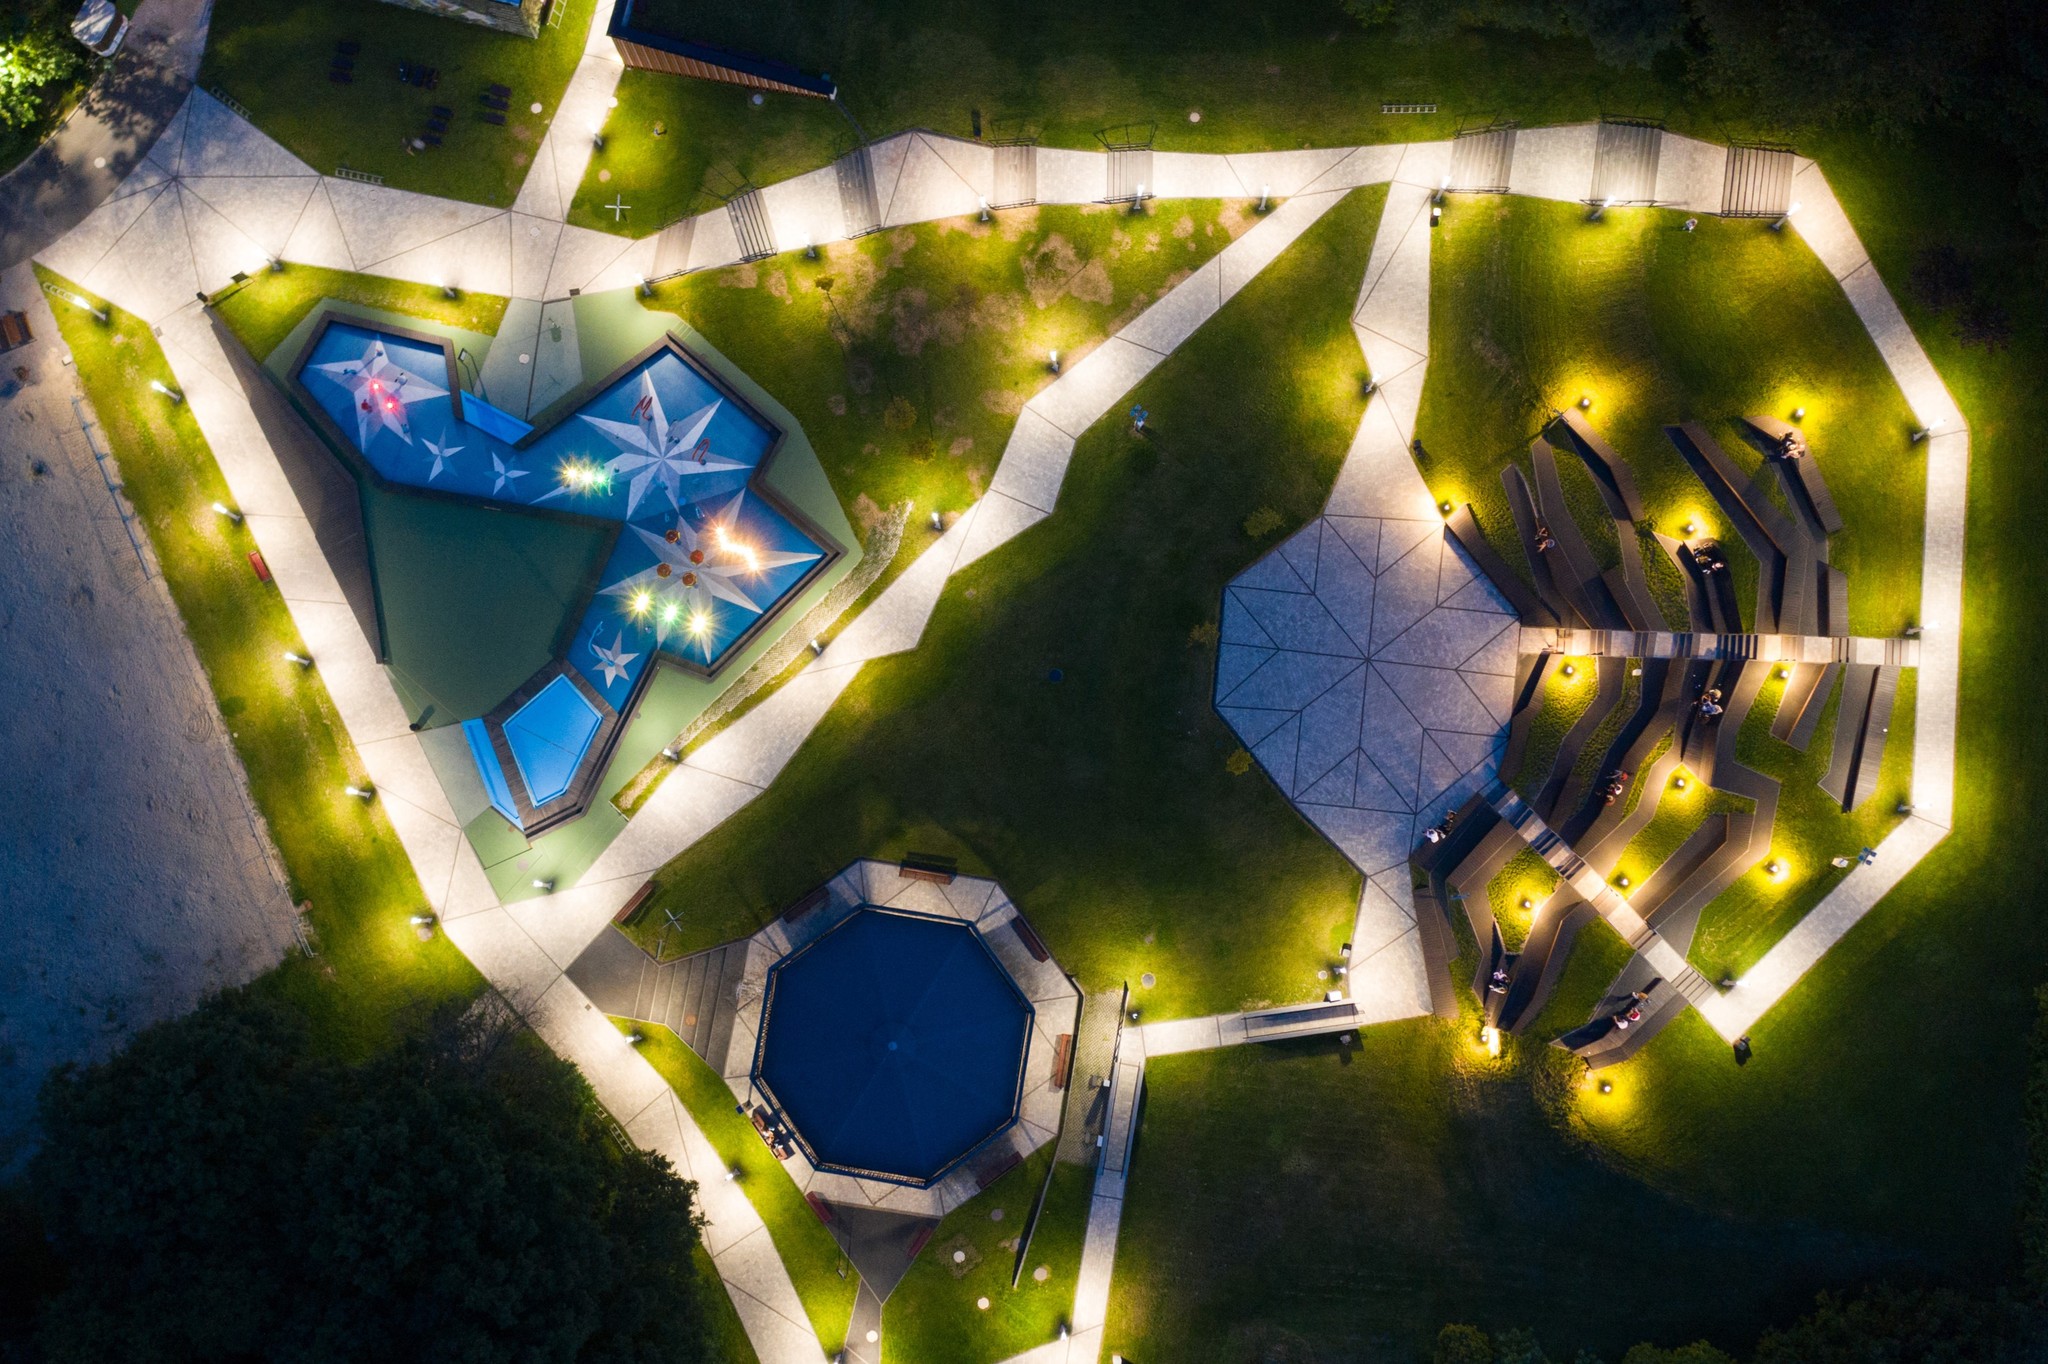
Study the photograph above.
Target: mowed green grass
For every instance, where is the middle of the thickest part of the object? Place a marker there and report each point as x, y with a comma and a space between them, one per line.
935, 1316
272, 56
824, 1278
1309, 1202
1881, 1110
340, 854
262, 312
907, 355
1102, 801
1261, 77
1533, 308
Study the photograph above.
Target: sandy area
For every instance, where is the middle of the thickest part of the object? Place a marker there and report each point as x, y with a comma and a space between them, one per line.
132, 876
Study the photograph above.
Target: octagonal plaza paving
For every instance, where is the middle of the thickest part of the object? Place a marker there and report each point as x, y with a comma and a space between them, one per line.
1370, 668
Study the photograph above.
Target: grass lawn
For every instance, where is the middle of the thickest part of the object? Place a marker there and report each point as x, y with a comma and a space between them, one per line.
907, 355
1261, 78
272, 55
1533, 307
1525, 877
823, 1276
1742, 923
262, 312
1102, 801
1876, 1110
340, 854
1306, 1202
1679, 814
1565, 701
934, 1316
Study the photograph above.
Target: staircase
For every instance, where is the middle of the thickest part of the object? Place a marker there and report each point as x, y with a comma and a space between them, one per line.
696, 997
1608, 902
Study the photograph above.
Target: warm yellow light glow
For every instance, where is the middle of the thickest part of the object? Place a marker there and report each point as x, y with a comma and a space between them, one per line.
1490, 1039
642, 600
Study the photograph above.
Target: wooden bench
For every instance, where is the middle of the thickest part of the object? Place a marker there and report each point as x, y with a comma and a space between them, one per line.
931, 867
1030, 939
635, 904
996, 1169
1062, 1060
816, 900
820, 1207
262, 569
14, 331
1304, 1020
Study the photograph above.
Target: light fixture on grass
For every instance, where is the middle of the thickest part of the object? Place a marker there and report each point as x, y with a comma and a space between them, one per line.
363, 792
544, 884
223, 509
301, 659
159, 386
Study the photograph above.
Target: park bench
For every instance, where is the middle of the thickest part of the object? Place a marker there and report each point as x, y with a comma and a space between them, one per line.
917, 866
1062, 1060
816, 900
820, 1207
1030, 939
635, 904
1300, 1020
14, 331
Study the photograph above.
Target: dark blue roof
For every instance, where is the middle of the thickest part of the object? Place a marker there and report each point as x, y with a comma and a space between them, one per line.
894, 1045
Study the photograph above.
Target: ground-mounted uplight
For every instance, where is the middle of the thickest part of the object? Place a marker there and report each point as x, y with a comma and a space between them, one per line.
810, 247
1585, 402
1622, 881
1265, 199
938, 521
222, 509
422, 925
1527, 903
1445, 506
1600, 209
159, 386
1679, 783
1799, 414
303, 660
1052, 360
1782, 673
1927, 432
1778, 224
1777, 869
276, 266
1607, 1086
1372, 383
596, 137
1489, 1038
643, 286
635, 1038
1568, 671
544, 884
363, 792
986, 215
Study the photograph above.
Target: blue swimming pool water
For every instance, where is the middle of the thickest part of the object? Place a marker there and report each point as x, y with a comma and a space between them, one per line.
699, 558
495, 786
894, 1044
549, 736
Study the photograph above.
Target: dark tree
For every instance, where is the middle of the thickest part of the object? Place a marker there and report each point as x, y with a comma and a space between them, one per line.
222, 1191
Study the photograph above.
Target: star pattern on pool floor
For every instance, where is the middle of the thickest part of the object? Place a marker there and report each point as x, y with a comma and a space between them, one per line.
653, 451
1370, 668
381, 388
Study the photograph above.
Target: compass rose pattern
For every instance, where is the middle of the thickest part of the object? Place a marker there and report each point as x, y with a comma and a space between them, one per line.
699, 559
380, 391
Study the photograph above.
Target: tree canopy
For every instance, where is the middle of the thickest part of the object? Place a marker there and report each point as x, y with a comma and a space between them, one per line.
222, 1191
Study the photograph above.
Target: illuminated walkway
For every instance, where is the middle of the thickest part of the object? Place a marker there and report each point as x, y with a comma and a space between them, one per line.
216, 196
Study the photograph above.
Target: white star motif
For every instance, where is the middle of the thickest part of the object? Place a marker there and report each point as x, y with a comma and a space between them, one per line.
695, 566
441, 456
381, 388
650, 449
612, 662
504, 475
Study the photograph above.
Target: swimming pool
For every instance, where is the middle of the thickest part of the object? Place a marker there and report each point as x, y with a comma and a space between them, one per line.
894, 1044
703, 557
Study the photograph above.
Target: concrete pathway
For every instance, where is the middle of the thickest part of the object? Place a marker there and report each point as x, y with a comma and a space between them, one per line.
99, 145
1582, 643
214, 196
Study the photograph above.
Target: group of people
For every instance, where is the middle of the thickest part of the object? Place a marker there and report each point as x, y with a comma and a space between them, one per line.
1709, 705
1791, 445
1545, 542
1437, 833
1616, 784
1707, 554
1633, 1013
